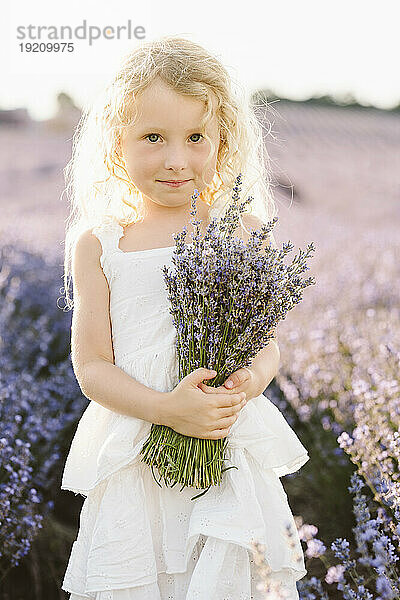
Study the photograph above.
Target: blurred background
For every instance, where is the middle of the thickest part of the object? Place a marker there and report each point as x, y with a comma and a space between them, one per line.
324, 81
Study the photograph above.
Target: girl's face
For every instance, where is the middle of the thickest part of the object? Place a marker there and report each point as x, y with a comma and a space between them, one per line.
165, 143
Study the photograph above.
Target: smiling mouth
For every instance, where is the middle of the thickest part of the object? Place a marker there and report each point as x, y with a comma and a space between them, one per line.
173, 180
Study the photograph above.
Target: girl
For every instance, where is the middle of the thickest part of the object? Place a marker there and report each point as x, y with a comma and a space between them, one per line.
167, 124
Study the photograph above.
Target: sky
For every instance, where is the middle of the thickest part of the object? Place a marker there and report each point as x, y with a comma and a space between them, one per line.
297, 48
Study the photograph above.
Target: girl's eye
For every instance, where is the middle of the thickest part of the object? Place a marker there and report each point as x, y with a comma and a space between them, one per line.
157, 135
150, 134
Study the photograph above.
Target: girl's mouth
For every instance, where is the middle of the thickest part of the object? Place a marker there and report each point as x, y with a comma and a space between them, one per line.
174, 184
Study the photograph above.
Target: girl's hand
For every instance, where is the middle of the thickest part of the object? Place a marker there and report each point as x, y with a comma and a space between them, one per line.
242, 380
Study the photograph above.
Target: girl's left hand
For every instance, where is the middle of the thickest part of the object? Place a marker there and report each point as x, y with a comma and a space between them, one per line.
242, 380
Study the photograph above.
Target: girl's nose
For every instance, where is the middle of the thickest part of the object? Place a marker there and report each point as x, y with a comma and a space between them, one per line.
175, 158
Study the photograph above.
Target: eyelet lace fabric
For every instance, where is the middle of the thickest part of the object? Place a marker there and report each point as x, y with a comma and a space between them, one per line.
139, 541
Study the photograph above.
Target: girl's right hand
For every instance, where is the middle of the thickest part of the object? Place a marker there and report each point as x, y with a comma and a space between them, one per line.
192, 412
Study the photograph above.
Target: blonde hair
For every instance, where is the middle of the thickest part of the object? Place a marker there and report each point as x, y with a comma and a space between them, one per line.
97, 183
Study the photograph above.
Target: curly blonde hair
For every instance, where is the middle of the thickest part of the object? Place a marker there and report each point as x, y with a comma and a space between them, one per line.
97, 183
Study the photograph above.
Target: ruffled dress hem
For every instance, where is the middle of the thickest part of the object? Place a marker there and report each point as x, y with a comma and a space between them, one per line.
126, 517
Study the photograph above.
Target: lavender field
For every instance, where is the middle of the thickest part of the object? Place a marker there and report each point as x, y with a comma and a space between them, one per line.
336, 183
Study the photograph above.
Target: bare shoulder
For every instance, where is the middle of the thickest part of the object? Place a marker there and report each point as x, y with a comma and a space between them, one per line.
86, 267
252, 222
86, 253
88, 244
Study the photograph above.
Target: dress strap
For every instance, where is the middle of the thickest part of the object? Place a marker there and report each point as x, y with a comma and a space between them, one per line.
109, 235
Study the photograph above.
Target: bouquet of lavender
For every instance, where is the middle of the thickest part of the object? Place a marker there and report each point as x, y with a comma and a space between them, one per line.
226, 298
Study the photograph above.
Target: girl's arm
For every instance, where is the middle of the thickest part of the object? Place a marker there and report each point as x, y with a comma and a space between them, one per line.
92, 352
265, 365
114, 389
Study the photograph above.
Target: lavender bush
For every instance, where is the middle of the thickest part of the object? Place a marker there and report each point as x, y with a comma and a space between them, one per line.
368, 572
340, 376
40, 399
226, 298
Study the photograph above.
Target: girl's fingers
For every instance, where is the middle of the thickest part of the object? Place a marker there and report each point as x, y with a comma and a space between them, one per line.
238, 377
208, 389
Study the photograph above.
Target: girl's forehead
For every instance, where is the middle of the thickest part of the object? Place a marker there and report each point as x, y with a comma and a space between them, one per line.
159, 103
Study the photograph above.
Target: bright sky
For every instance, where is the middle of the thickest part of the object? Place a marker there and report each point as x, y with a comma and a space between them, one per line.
296, 48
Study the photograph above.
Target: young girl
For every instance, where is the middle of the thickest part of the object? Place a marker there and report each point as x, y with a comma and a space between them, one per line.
167, 124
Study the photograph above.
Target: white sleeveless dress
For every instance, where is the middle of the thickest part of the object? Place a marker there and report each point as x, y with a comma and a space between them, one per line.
140, 541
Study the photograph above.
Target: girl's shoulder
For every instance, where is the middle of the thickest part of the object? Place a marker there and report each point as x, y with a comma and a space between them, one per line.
251, 222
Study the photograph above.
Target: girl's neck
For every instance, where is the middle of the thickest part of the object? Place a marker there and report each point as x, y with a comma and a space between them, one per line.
159, 213
156, 230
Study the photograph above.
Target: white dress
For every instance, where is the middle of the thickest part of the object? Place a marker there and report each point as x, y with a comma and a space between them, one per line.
140, 541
